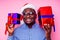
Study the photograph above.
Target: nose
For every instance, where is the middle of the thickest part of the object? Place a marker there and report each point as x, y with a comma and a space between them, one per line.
28, 15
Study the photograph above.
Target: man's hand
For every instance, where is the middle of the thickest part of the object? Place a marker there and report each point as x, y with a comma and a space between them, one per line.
48, 28
10, 29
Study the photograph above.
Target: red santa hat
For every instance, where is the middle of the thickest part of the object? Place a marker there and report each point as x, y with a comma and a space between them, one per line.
27, 6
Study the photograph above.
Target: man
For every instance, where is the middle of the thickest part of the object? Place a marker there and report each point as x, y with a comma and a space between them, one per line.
30, 30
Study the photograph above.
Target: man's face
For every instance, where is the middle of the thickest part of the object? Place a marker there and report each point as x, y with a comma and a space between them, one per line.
29, 16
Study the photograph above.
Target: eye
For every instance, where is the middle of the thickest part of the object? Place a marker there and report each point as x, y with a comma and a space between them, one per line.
31, 13
25, 13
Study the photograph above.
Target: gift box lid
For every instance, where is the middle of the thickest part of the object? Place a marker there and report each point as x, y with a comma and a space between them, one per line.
47, 10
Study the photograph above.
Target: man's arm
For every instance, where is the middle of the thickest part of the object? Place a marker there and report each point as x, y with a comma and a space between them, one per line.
10, 31
48, 28
10, 38
48, 36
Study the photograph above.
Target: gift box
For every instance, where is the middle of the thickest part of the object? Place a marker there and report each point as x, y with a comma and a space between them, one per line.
45, 16
14, 18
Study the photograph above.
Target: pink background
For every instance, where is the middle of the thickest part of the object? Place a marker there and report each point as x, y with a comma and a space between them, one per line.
7, 6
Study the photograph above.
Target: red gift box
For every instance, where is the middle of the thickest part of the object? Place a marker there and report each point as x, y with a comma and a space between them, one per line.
45, 16
13, 18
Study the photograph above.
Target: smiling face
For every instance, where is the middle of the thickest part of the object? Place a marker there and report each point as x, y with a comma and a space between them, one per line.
29, 16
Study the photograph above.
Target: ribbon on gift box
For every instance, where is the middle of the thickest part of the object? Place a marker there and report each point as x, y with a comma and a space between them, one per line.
47, 16
14, 18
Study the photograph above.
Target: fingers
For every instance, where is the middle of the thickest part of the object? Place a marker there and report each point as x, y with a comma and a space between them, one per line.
11, 29
47, 26
11, 26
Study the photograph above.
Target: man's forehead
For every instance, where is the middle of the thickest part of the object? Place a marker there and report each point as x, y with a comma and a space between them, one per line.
28, 10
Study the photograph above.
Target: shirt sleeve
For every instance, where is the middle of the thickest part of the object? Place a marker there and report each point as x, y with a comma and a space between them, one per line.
13, 37
45, 38
10, 38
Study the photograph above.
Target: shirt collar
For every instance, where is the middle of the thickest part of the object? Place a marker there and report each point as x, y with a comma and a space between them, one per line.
33, 26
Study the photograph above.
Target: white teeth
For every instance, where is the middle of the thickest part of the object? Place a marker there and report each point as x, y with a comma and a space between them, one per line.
28, 19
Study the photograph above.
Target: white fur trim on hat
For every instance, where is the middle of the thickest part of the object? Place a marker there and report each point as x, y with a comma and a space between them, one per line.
27, 6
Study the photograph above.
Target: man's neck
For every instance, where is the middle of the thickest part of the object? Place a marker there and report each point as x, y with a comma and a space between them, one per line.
30, 25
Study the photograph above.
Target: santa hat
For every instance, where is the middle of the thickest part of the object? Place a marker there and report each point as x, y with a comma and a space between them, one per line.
27, 6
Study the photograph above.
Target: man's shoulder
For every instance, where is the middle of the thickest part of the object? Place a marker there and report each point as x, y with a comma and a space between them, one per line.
21, 26
18, 29
39, 27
